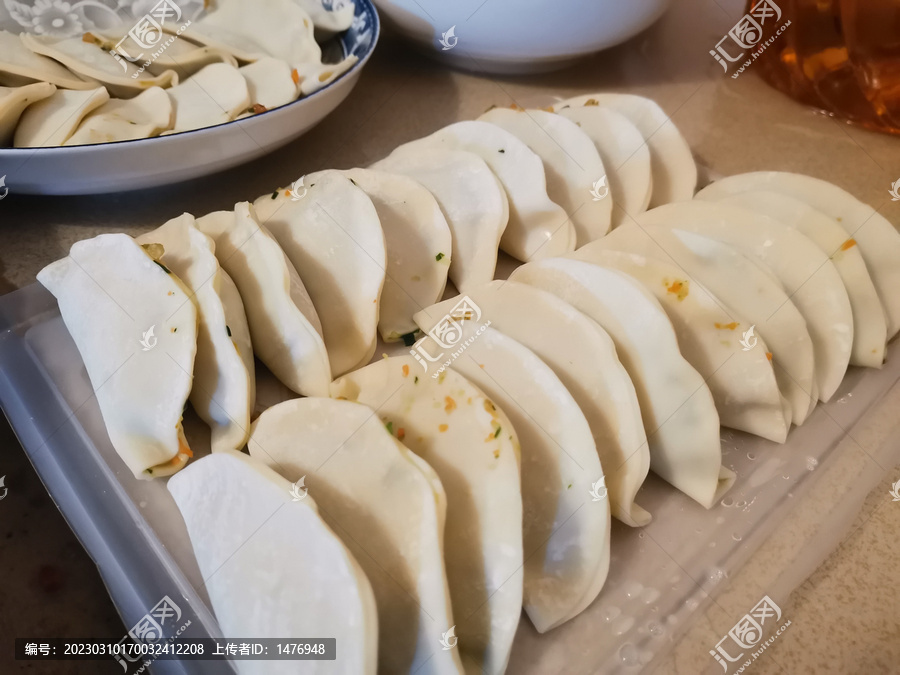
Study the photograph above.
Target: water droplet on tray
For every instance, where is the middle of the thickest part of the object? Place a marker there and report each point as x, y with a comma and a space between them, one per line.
736, 536
632, 588
655, 628
629, 654
622, 625
716, 575
727, 502
751, 456
811, 463
610, 613
649, 595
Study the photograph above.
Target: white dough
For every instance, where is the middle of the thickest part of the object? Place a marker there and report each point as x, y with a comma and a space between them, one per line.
417, 243
223, 387
571, 161
136, 329
313, 76
452, 425
807, 275
253, 30
51, 121
284, 327
20, 66
625, 155
746, 290
14, 101
270, 82
335, 19
333, 237
143, 116
678, 412
671, 160
869, 323
272, 567
172, 53
584, 358
215, 95
537, 228
878, 240
472, 199
742, 383
91, 61
387, 506
565, 533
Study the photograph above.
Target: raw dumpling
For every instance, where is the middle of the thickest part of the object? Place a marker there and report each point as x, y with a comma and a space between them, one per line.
253, 30
313, 76
215, 95
625, 155
807, 275
565, 533
284, 327
742, 382
182, 56
869, 324
417, 243
224, 383
571, 161
271, 82
673, 166
877, 239
13, 102
453, 426
537, 227
337, 18
333, 237
143, 116
584, 358
387, 506
89, 60
20, 66
679, 415
136, 329
51, 121
746, 290
472, 199
272, 567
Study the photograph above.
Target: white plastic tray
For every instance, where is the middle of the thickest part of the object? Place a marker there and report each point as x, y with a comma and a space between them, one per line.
660, 576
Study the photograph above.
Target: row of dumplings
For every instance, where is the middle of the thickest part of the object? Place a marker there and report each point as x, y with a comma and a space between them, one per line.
238, 59
566, 383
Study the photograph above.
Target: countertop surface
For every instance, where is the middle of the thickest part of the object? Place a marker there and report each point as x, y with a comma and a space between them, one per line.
845, 616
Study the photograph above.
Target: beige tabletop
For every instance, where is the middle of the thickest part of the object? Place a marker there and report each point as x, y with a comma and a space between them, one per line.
845, 612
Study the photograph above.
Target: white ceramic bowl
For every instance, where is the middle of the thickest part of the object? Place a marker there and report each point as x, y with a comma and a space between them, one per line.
518, 36
131, 165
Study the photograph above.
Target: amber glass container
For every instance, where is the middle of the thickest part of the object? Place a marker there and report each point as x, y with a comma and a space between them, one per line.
842, 56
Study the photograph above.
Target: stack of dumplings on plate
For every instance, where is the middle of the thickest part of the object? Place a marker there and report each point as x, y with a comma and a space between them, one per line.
239, 58
464, 449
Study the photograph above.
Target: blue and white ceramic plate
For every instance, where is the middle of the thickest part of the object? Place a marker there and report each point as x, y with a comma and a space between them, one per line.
144, 163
